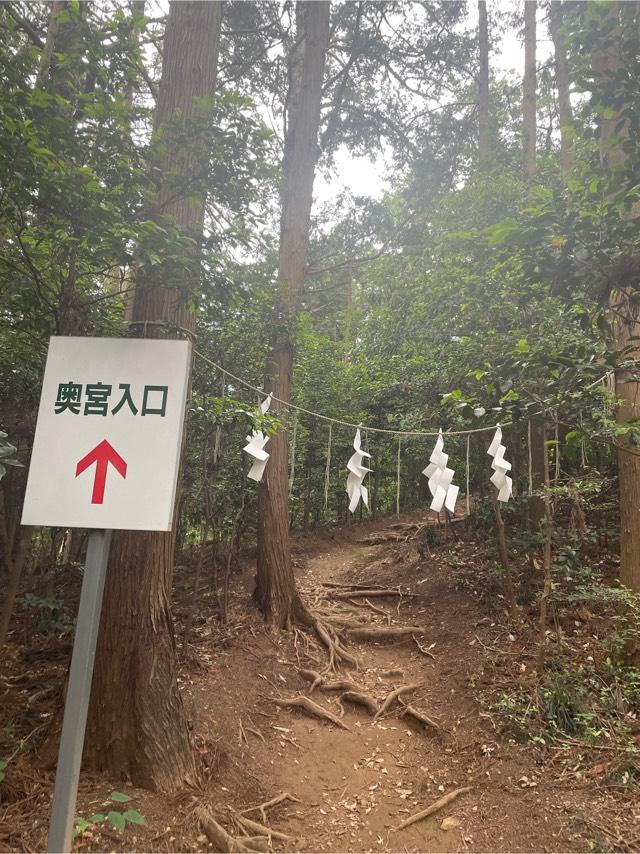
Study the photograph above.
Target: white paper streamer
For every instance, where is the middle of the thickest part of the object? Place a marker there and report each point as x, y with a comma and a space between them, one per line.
357, 473
255, 447
440, 477
500, 479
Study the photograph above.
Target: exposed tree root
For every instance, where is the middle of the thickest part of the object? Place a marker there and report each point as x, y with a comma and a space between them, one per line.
311, 708
373, 593
392, 696
337, 653
317, 679
419, 716
217, 835
435, 806
366, 633
262, 808
360, 699
262, 829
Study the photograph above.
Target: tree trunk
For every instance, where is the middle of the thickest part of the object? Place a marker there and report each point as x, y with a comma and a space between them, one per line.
137, 726
538, 451
529, 89
484, 150
626, 326
276, 591
562, 83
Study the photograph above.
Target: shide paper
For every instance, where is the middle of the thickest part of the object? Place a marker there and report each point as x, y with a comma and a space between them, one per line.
255, 447
500, 479
440, 477
356, 476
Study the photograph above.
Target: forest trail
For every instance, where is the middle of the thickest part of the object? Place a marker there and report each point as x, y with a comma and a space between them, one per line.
351, 786
355, 786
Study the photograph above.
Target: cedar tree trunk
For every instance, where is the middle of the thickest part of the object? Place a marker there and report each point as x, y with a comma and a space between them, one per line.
276, 591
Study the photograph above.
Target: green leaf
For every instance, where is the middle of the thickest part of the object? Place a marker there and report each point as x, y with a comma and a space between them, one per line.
120, 797
96, 818
134, 817
117, 820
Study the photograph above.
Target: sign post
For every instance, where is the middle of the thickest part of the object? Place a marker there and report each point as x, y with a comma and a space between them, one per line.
78, 693
106, 455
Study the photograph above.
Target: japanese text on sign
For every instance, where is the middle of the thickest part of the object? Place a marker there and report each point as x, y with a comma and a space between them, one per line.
153, 400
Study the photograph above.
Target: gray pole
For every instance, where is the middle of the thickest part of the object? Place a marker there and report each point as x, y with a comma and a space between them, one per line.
78, 693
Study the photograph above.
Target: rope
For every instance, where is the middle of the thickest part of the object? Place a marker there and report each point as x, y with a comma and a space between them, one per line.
327, 472
296, 408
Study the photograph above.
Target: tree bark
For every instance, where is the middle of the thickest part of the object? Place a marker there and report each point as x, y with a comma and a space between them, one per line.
626, 326
529, 89
562, 83
137, 726
484, 150
276, 591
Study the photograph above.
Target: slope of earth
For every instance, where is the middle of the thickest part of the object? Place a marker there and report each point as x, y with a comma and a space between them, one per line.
354, 781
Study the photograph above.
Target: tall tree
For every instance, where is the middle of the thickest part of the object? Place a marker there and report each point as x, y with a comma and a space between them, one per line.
275, 584
137, 725
562, 82
613, 59
529, 89
483, 84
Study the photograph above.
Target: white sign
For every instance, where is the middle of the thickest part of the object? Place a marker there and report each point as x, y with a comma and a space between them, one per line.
107, 446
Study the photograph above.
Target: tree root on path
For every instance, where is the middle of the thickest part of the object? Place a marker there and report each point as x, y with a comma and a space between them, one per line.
312, 708
317, 679
372, 593
262, 808
360, 699
435, 806
262, 829
337, 652
366, 633
392, 696
419, 716
217, 835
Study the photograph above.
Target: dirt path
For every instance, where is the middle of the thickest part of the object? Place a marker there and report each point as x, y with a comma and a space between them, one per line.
355, 786
352, 786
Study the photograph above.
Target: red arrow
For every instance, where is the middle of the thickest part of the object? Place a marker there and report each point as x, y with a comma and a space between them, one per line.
102, 455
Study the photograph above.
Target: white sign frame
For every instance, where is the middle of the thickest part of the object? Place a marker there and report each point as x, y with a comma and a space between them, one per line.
137, 487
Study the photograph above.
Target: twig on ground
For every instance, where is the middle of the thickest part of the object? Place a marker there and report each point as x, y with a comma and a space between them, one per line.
435, 806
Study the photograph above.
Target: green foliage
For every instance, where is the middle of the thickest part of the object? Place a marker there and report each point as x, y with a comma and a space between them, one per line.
116, 819
51, 615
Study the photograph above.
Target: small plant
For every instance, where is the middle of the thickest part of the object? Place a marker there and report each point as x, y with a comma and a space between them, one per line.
117, 819
3, 768
52, 617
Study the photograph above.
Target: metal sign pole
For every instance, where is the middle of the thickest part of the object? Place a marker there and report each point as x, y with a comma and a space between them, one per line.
78, 694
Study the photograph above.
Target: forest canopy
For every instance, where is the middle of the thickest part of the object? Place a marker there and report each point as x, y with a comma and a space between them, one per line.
405, 217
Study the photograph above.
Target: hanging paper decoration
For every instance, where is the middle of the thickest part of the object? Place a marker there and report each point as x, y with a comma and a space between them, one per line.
255, 447
440, 477
500, 479
357, 473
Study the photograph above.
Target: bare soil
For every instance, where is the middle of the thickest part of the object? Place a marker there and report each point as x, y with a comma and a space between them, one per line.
353, 786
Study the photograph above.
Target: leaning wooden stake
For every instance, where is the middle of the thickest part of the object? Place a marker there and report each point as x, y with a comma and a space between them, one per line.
546, 558
504, 558
437, 805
